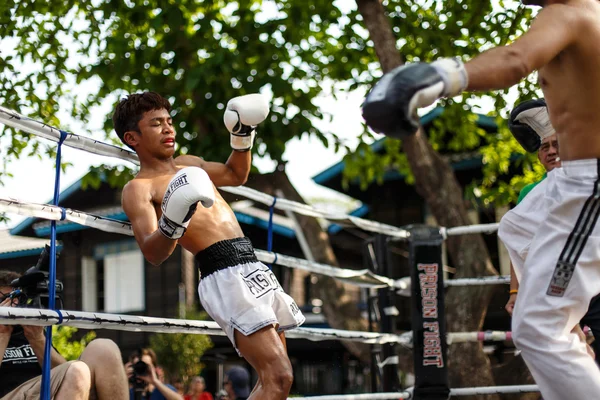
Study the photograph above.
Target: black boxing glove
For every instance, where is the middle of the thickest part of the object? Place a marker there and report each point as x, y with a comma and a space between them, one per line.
529, 123
391, 106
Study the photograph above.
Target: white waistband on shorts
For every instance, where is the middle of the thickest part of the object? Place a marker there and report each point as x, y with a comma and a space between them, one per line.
583, 168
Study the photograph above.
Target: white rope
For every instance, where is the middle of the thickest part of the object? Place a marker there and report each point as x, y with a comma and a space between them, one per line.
18, 121
486, 336
364, 396
136, 323
362, 278
494, 390
409, 393
26, 124
469, 229
406, 338
54, 213
481, 281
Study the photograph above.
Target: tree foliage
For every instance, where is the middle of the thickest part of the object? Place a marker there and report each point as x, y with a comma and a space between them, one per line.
201, 53
69, 348
430, 29
178, 353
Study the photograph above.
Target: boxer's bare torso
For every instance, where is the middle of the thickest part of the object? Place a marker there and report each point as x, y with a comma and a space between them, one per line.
143, 195
207, 226
571, 86
563, 45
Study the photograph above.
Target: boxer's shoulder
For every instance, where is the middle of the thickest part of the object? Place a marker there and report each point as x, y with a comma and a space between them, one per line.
136, 189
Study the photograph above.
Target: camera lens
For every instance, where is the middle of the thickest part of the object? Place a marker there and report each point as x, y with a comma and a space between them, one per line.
140, 368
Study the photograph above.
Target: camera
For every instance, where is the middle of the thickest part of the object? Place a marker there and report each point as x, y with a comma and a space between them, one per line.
32, 288
140, 368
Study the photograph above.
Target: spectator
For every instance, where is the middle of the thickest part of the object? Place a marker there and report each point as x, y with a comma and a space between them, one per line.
198, 390
146, 383
98, 373
178, 384
237, 383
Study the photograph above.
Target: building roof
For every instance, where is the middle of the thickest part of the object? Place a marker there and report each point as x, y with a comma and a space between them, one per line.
458, 161
19, 246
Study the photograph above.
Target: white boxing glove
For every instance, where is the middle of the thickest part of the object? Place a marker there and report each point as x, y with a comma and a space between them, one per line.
242, 114
188, 187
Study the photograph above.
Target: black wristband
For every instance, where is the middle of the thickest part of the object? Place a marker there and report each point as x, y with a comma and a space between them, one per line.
169, 228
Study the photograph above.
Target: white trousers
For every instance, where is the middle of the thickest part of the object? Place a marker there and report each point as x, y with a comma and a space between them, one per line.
560, 276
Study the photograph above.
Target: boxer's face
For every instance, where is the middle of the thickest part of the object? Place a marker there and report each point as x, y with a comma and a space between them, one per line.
548, 153
156, 135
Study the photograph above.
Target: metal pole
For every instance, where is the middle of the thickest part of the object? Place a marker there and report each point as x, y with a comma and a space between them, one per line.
388, 311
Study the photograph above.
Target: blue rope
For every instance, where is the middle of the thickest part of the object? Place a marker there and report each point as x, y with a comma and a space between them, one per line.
45, 394
270, 228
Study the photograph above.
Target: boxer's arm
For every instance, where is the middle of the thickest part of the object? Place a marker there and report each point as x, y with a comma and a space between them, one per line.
137, 204
233, 173
554, 29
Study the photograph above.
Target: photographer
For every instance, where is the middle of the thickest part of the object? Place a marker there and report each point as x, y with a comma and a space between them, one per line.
98, 372
141, 371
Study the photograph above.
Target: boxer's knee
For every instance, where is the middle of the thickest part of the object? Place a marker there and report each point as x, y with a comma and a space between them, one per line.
279, 378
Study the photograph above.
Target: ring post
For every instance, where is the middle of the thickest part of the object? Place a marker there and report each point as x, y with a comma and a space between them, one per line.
371, 263
388, 311
430, 348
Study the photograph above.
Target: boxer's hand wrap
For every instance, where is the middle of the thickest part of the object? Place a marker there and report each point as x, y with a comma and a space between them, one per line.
242, 114
529, 123
391, 106
188, 187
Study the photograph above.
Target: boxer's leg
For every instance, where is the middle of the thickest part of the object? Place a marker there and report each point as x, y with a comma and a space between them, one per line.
561, 276
266, 353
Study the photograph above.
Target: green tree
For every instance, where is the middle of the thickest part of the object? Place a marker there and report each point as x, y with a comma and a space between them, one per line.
69, 348
203, 53
199, 54
178, 353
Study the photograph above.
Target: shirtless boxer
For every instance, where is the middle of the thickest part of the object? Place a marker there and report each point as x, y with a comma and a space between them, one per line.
241, 294
517, 228
562, 269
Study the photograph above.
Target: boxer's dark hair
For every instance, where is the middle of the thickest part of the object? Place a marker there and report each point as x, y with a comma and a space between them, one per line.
6, 277
131, 109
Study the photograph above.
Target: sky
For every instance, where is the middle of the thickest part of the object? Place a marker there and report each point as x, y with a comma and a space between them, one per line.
33, 179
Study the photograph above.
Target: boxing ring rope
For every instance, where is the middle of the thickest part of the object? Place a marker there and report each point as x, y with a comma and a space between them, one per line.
483, 390
18, 121
137, 323
362, 278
